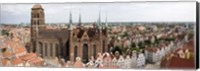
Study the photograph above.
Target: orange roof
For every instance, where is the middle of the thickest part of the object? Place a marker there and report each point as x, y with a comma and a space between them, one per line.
16, 61
4, 61
78, 64
152, 49
101, 66
29, 56
20, 49
177, 62
7, 53
15, 39
35, 61
113, 66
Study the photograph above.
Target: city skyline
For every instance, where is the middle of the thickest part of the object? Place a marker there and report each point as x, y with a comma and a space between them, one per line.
116, 12
166, 45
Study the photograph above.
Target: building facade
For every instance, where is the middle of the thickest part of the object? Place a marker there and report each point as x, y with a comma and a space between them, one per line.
66, 43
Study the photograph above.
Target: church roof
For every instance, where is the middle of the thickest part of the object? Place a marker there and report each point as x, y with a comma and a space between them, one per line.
91, 32
80, 34
54, 34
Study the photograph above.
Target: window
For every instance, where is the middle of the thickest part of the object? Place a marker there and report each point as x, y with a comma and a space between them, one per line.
75, 52
46, 49
94, 51
41, 50
57, 50
51, 49
104, 45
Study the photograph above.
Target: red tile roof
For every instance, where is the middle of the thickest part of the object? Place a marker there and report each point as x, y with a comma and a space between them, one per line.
16, 61
4, 61
29, 56
152, 49
177, 62
78, 64
7, 53
20, 49
35, 61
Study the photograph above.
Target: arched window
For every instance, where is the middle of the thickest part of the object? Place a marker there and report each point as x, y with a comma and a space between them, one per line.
85, 53
41, 50
94, 51
46, 49
57, 50
75, 52
51, 49
104, 45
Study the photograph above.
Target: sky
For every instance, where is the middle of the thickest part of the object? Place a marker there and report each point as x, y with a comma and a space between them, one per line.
115, 12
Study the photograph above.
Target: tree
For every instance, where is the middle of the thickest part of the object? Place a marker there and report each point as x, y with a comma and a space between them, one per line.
5, 32
141, 45
117, 48
125, 34
133, 44
147, 42
136, 49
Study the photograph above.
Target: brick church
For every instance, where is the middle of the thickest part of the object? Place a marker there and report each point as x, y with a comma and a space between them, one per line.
67, 43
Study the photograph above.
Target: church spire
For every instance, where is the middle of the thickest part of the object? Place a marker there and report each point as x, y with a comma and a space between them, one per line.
106, 23
79, 23
70, 20
99, 21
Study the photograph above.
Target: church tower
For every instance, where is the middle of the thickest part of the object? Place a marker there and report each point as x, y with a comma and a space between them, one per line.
37, 23
100, 32
71, 38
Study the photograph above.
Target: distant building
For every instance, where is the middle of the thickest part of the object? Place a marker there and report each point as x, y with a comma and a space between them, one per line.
152, 54
66, 43
121, 62
134, 59
141, 60
127, 62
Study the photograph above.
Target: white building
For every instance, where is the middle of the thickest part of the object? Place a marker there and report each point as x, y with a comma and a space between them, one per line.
140, 60
98, 61
120, 62
152, 54
162, 51
114, 61
127, 62
134, 59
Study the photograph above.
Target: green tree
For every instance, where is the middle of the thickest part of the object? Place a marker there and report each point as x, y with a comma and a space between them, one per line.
5, 32
141, 45
117, 48
133, 44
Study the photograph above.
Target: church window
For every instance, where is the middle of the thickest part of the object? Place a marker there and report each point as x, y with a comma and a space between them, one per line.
57, 50
51, 49
75, 52
94, 51
46, 49
103, 45
41, 50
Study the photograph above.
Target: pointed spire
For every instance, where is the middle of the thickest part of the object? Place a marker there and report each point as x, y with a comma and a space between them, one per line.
99, 20
70, 20
106, 23
70, 17
79, 24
